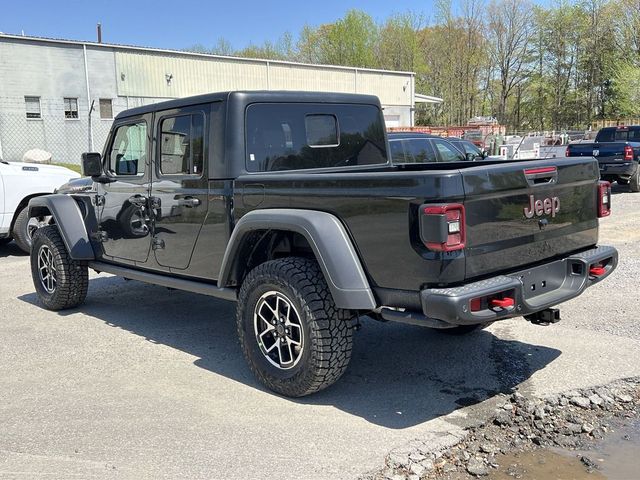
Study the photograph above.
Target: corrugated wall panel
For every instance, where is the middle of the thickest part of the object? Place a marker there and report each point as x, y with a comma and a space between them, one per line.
393, 89
145, 75
295, 77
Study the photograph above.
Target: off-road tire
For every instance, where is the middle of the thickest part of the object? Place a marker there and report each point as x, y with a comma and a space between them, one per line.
634, 181
72, 276
20, 230
464, 329
327, 330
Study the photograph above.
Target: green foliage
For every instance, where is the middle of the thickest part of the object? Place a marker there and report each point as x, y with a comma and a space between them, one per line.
557, 66
71, 166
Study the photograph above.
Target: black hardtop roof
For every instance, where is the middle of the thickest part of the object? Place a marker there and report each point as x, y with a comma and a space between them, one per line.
254, 96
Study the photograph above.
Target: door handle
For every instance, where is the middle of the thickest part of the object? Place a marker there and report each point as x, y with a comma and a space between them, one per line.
138, 200
188, 202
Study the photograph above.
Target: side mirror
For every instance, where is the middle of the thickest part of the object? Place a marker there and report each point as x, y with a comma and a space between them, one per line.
91, 164
470, 157
485, 154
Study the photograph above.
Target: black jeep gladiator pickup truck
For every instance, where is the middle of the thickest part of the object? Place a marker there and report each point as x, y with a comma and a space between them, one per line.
617, 150
289, 204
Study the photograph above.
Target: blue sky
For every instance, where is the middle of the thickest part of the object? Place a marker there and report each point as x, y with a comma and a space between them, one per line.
182, 23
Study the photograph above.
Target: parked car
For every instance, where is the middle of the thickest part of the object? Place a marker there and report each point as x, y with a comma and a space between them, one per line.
288, 203
618, 152
470, 150
19, 183
406, 148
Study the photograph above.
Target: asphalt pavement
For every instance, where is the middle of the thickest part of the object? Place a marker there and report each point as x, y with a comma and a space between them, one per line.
142, 382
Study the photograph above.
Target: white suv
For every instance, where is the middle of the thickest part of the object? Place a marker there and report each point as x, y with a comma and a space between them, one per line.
19, 182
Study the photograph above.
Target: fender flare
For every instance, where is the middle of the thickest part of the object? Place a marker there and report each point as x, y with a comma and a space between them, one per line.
329, 241
68, 217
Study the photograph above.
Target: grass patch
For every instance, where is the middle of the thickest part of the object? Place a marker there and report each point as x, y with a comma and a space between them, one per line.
71, 166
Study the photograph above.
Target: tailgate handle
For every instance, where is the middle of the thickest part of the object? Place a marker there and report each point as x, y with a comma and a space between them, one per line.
541, 175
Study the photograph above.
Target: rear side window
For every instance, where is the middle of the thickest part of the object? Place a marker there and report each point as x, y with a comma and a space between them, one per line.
181, 145
309, 136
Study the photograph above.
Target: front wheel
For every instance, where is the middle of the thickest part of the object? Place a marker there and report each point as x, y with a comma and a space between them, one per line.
60, 281
294, 338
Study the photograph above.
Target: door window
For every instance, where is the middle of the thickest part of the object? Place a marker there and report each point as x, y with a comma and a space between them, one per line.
412, 150
419, 151
447, 152
128, 152
181, 145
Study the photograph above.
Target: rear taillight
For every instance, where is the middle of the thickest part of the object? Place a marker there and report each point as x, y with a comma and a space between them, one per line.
567, 153
628, 153
442, 227
604, 199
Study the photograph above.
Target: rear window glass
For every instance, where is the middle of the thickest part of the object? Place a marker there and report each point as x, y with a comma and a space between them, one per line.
618, 135
307, 136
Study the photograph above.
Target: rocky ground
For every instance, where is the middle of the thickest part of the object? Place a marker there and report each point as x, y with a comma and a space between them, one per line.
574, 420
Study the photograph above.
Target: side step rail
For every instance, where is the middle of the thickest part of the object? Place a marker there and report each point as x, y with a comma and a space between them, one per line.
166, 281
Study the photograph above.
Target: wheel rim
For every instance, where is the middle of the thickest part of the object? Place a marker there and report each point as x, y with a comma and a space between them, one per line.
278, 330
47, 269
35, 223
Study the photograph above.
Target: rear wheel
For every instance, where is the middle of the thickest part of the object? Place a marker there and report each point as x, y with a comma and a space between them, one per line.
60, 281
634, 181
294, 338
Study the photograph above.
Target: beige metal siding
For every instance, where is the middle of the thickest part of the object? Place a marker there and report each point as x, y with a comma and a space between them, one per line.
392, 89
296, 77
145, 75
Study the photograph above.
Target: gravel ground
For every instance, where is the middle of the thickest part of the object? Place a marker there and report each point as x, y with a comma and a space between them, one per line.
617, 296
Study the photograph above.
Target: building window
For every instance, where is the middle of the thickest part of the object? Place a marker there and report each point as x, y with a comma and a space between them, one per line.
70, 107
32, 105
106, 109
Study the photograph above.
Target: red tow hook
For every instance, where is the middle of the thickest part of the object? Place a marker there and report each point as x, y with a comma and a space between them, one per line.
502, 302
597, 270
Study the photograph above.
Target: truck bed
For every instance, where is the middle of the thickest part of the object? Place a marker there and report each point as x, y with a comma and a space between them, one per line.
382, 207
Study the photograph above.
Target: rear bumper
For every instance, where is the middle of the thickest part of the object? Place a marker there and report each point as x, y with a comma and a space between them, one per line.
532, 289
624, 169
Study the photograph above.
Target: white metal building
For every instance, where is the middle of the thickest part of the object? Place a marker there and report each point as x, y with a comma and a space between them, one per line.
47, 87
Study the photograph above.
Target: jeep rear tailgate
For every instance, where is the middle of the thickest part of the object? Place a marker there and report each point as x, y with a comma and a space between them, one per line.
520, 213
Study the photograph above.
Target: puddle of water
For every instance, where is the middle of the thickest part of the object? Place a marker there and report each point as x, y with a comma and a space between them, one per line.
617, 458
543, 464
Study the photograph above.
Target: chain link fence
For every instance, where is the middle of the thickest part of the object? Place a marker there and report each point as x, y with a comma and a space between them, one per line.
65, 138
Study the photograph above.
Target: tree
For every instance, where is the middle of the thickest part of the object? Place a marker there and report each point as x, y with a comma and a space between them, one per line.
510, 31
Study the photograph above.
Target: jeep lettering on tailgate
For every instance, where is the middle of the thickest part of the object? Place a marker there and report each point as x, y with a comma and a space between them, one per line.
547, 206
